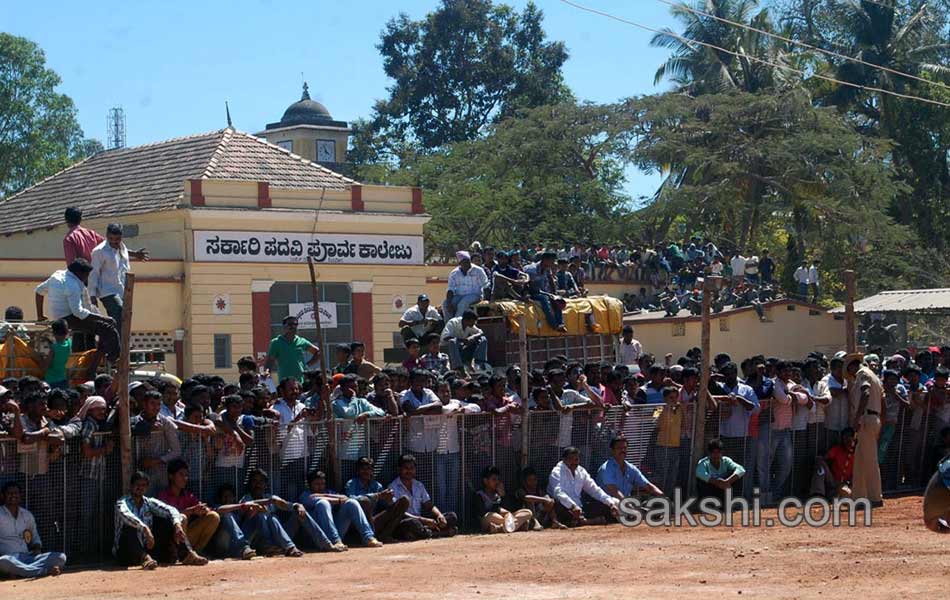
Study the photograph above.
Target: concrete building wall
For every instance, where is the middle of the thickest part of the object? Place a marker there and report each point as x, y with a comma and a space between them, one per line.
785, 333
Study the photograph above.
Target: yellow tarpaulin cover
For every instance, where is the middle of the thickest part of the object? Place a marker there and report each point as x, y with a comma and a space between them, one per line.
582, 316
17, 359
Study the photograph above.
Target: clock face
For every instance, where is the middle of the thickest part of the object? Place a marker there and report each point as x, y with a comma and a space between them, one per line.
326, 151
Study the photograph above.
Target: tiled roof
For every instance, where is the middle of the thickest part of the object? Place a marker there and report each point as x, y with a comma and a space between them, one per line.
151, 178
904, 301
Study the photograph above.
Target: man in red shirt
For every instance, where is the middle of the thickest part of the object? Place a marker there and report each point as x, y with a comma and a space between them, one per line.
832, 477
79, 241
200, 523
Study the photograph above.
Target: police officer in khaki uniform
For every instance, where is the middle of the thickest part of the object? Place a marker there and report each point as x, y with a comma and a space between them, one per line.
866, 394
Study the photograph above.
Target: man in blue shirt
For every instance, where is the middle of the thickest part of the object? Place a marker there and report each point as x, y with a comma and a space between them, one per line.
507, 281
541, 288
621, 479
735, 409
383, 513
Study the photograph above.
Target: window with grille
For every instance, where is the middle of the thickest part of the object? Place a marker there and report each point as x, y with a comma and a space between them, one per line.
283, 294
222, 351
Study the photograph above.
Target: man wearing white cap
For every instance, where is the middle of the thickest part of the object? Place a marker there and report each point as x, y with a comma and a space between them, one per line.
467, 282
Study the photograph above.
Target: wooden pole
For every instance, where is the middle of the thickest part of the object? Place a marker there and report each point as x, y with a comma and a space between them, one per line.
122, 383
336, 477
316, 312
525, 375
699, 421
851, 341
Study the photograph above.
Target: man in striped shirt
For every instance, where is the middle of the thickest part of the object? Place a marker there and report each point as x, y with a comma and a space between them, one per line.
145, 525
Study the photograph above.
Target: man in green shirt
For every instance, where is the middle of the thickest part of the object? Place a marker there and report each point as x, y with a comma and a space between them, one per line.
288, 351
716, 473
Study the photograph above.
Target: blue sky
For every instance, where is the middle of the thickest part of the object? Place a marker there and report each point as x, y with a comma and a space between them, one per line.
171, 65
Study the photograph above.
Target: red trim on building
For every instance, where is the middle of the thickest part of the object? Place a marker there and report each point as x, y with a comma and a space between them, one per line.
260, 322
356, 198
263, 194
197, 198
363, 320
417, 207
180, 358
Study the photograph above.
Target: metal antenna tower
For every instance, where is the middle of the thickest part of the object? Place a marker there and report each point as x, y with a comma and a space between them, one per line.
115, 128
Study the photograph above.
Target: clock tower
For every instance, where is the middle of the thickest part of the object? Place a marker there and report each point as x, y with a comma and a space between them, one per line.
308, 130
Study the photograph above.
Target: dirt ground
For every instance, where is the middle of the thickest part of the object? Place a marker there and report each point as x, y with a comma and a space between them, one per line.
894, 558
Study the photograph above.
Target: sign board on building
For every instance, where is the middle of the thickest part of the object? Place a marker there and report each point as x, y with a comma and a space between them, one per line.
304, 313
325, 248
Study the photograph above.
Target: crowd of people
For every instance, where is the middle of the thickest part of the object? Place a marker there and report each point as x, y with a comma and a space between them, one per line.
759, 407
550, 275
760, 403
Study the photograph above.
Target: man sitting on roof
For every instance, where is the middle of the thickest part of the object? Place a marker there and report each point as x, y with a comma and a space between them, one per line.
69, 300
542, 288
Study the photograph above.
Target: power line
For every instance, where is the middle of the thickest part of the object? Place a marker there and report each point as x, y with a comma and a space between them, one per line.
754, 58
684, 6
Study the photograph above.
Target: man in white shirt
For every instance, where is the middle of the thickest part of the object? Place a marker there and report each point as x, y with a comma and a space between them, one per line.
801, 278
20, 543
294, 449
567, 481
738, 268
467, 343
420, 320
69, 300
630, 350
467, 283
813, 281
110, 263
421, 508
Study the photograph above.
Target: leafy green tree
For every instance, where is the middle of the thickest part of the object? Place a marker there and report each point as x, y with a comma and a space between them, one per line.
908, 36
553, 173
464, 66
39, 133
755, 164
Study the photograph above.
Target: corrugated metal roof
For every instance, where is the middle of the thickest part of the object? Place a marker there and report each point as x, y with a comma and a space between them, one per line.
904, 301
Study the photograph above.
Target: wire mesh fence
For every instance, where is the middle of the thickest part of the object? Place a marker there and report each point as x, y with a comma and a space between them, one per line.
71, 489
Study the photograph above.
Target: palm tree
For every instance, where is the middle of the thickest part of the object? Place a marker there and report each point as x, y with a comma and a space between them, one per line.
881, 34
699, 69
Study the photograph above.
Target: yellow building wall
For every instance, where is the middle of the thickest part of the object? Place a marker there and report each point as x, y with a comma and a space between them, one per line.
788, 334
209, 279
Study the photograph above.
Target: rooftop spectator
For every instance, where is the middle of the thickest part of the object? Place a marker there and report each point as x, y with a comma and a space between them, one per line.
110, 263
78, 241
69, 300
420, 320
467, 344
466, 286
